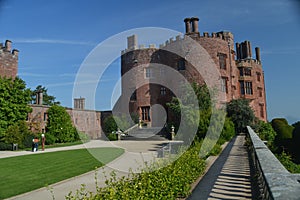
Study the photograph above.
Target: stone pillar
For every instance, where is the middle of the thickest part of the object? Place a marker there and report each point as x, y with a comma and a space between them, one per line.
257, 52
188, 28
8, 45
194, 21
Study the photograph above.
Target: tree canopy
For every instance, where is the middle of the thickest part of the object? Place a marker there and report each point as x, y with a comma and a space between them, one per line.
59, 126
14, 99
48, 100
241, 114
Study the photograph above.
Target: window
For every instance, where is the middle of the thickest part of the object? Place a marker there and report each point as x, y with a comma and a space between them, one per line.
163, 91
146, 113
246, 87
222, 60
224, 84
247, 72
242, 87
258, 76
45, 116
148, 73
260, 91
181, 64
262, 110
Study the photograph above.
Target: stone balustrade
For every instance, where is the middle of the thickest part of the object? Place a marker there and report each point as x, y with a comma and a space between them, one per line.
274, 181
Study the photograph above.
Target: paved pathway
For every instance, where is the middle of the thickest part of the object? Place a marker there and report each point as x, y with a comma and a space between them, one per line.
229, 177
136, 153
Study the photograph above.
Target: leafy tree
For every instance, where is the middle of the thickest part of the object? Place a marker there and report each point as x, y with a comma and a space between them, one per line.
109, 125
18, 133
59, 125
284, 134
48, 100
267, 133
241, 114
14, 99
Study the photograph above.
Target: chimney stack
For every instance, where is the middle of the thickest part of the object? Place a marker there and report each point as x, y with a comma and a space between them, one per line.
194, 21
257, 52
188, 28
39, 98
238, 51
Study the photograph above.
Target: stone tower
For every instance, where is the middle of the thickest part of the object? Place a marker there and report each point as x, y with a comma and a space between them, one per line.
8, 60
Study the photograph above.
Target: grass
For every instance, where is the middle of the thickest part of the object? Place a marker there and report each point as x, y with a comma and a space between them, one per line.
25, 173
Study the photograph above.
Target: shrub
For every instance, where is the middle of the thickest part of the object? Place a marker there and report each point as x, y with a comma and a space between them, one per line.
287, 162
170, 182
112, 137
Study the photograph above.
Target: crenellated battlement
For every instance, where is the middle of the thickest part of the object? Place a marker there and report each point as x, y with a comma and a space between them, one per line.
7, 47
8, 60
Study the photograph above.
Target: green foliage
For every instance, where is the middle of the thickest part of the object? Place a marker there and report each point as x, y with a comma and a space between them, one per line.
112, 137
14, 99
18, 133
228, 131
266, 132
284, 133
287, 162
59, 125
113, 122
109, 125
296, 142
241, 114
170, 182
47, 99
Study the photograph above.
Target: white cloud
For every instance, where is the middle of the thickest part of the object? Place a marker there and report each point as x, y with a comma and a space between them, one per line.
52, 41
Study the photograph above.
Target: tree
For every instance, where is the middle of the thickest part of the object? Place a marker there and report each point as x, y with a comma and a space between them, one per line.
266, 132
241, 114
18, 133
59, 125
284, 135
14, 99
48, 100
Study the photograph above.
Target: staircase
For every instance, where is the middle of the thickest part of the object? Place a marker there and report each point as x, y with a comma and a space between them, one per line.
145, 134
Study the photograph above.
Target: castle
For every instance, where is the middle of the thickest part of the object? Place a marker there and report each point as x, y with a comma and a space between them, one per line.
242, 75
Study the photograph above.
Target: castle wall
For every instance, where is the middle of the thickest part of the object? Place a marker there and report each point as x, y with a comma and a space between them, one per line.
86, 121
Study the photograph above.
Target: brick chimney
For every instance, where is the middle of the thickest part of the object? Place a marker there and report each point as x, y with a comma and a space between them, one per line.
79, 103
194, 21
188, 28
39, 98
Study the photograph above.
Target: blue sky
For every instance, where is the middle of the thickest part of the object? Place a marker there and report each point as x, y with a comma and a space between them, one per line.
54, 37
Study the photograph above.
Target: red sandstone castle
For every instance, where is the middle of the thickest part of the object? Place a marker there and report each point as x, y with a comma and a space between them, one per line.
241, 75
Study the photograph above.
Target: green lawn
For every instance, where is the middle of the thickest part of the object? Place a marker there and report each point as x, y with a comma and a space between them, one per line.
25, 173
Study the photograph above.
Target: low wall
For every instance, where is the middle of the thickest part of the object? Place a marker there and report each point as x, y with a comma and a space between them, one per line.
274, 181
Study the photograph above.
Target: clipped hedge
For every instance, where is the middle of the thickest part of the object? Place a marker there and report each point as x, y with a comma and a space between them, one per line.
171, 182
